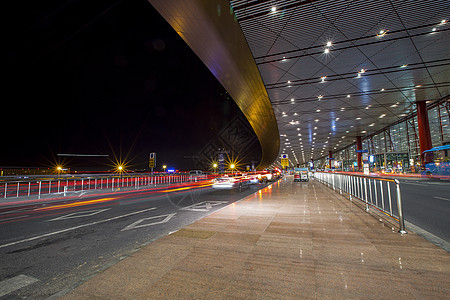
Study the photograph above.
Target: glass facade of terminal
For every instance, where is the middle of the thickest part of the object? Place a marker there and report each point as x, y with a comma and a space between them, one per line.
396, 148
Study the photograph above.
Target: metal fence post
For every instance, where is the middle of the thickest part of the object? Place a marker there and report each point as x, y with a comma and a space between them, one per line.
365, 188
401, 220
382, 194
390, 200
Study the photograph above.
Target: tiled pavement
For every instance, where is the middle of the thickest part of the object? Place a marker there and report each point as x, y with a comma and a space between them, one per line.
289, 241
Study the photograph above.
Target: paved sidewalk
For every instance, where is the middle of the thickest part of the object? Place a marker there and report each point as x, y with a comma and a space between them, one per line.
290, 241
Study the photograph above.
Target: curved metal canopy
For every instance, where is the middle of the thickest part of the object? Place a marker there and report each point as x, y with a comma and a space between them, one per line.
213, 33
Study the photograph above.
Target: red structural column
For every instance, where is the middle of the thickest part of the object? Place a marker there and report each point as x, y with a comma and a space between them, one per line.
359, 154
330, 156
424, 131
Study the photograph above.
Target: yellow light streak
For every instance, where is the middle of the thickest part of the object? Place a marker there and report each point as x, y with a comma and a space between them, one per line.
75, 204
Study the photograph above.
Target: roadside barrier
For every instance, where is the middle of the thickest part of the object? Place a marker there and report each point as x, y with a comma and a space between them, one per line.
374, 192
59, 185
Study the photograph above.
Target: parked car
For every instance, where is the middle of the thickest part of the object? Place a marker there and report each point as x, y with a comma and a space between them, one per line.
301, 174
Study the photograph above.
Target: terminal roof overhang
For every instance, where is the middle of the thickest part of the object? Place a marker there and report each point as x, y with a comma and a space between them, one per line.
212, 32
333, 69
337, 69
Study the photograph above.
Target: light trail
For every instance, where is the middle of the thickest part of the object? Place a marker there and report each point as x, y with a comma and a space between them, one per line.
122, 196
81, 203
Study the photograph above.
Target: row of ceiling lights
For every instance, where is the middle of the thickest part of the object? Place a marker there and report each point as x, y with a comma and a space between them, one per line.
327, 50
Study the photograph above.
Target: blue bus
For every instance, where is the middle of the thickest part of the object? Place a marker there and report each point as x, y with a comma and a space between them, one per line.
440, 165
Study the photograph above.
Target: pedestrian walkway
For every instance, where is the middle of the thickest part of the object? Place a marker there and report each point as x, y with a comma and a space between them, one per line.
290, 241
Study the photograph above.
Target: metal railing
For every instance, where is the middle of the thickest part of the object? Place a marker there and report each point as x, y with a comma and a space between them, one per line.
67, 185
374, 192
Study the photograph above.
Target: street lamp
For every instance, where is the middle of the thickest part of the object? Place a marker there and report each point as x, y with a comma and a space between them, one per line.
120, 170
215, 167
58, 170
232, 167
164, 167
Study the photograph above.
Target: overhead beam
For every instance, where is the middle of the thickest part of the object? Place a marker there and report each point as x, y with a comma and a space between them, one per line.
213, 33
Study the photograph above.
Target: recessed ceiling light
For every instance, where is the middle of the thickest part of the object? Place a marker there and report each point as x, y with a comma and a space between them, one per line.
318, 110
274, 9
323, 78
348, 96
382, 33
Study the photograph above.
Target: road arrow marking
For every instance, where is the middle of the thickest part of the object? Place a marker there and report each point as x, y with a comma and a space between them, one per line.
80, 214
136, 224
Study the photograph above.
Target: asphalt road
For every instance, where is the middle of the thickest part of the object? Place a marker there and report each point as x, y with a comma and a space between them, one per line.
49, 247
426, 204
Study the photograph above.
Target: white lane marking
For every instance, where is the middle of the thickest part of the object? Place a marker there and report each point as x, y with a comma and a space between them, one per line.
203, 206
13, 284
13, 218
136, 224
441, 198
80, 214
420, 184
12, 211
74, 228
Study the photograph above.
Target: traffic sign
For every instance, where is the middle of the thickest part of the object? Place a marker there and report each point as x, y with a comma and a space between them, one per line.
152, 160
285, 162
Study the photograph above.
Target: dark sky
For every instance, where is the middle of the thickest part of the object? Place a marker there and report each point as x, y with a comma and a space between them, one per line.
104, 77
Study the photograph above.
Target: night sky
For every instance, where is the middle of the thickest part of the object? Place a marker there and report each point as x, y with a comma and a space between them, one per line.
104, 77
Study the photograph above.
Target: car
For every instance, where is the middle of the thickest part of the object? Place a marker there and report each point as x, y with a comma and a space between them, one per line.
252, 178
230, 182
265, 176
195, 172
276, 174
301, 174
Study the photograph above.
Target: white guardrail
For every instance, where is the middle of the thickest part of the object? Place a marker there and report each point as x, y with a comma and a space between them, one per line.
40, 187
373, 191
